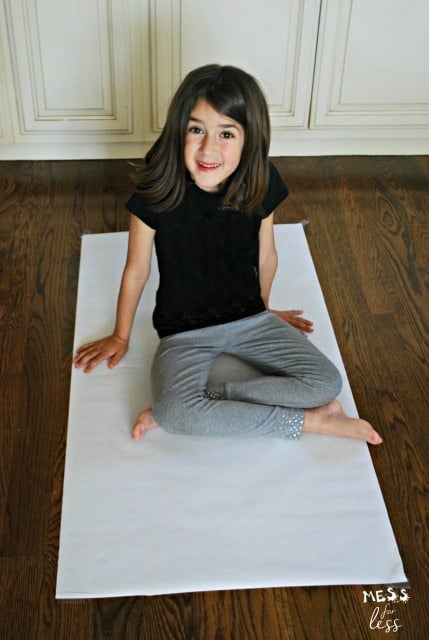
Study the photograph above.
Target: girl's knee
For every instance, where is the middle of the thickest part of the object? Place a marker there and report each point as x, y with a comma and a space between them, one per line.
171, 415
334, 383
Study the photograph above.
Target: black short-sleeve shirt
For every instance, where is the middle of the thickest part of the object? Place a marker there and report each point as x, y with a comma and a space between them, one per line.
207, 258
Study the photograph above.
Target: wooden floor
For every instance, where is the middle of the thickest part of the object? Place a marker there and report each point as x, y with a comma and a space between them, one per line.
369, 235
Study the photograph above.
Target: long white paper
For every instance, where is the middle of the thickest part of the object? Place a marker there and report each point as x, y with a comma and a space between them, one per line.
174, 514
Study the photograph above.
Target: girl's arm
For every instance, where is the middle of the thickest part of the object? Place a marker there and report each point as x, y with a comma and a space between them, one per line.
267, 257
267, 269
136, 272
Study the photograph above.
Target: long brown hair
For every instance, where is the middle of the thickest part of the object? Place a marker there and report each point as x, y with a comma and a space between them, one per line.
163, 177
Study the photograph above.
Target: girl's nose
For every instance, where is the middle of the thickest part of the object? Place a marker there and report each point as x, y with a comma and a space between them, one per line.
208, 143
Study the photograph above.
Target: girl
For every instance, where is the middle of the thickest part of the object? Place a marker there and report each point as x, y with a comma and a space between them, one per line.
205, 197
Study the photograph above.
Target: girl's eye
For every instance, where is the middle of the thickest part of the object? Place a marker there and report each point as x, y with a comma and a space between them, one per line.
227, 135
195, 129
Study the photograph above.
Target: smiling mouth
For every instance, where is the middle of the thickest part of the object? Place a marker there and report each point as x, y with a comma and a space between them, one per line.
208, 166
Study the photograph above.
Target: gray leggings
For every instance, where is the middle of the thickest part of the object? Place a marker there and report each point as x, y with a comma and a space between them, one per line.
295, 376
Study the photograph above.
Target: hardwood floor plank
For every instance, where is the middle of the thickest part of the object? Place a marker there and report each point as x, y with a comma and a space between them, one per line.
258, 614
166, 617
20, 586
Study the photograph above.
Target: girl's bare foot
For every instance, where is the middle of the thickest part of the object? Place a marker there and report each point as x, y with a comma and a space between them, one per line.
143, 423
332, 421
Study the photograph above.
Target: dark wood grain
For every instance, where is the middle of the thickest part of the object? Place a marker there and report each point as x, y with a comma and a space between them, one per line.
369, 237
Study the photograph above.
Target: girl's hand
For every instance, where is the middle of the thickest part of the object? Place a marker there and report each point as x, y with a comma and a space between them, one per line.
90, 355
294, 318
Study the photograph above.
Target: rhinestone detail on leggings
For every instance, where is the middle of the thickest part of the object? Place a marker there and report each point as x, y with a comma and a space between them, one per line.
214, 394
291, 426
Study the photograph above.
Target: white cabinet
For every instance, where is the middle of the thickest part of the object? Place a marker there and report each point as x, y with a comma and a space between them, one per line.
77, 71
71, 66
93, 78
372, 65
273, 40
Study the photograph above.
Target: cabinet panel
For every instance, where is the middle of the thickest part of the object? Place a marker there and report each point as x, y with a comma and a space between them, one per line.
274, 41
372, 64
6, 135
72, 67
165, 57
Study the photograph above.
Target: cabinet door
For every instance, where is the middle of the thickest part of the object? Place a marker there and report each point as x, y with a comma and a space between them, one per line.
274, 40
372, 64
75, 68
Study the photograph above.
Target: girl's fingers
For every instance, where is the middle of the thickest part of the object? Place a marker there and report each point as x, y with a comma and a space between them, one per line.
89, 356
92, 354
113, 362
83, 358
94, 362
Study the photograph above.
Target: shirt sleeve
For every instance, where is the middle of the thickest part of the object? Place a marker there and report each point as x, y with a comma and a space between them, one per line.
277, 192
137, 205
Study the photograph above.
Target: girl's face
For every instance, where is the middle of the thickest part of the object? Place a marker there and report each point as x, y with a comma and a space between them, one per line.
213, 146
